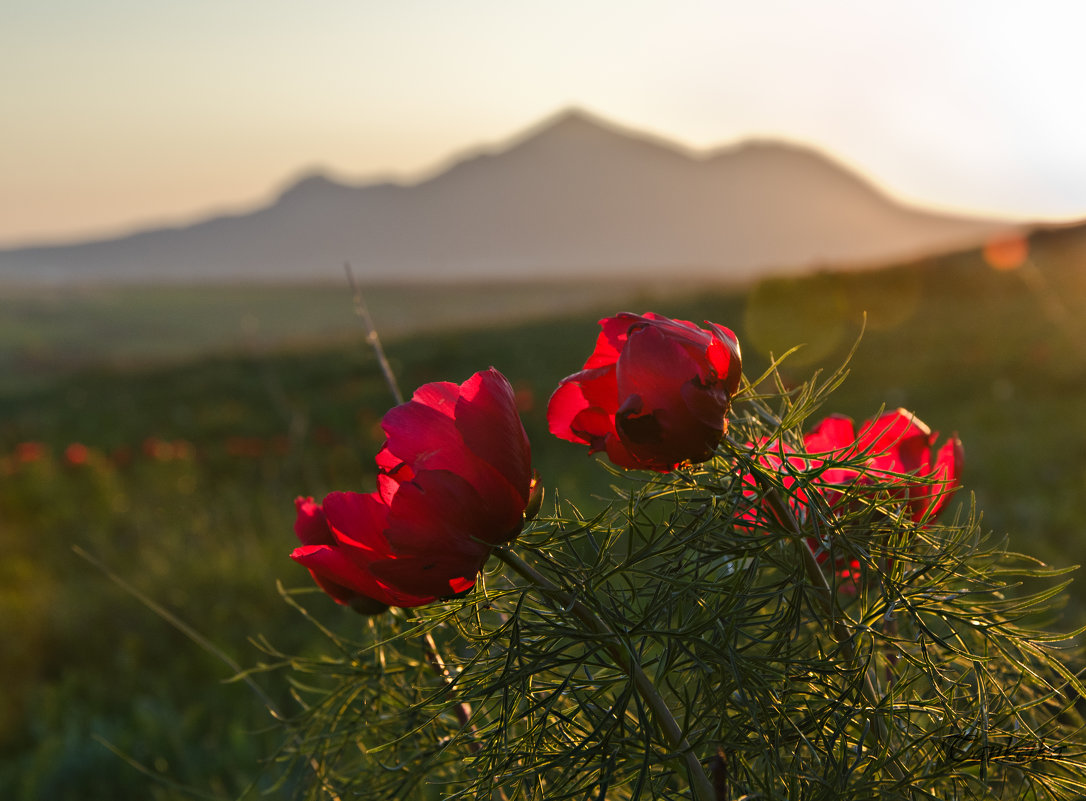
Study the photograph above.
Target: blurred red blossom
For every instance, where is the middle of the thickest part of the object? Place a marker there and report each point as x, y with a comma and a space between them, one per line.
26, 452
654, 393
454, 480
158, 449
245, 447
76, 454
524, 395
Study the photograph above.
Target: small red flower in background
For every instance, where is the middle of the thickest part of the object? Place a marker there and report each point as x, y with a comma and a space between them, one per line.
26, 452
654, 393
525, 397
245, 447
455, 478
158, 449
76, 454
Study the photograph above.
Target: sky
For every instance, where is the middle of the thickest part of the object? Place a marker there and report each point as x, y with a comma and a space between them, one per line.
117, 115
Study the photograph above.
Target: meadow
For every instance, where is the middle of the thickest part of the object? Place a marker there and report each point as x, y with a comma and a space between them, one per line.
166, 432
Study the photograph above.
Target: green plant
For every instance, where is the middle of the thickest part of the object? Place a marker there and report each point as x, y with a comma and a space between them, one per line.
686, 642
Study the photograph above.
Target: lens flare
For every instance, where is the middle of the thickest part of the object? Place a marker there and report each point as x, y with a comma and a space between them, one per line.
1006, 253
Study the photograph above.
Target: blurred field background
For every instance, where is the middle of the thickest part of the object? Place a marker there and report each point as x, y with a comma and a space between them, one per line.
166, 431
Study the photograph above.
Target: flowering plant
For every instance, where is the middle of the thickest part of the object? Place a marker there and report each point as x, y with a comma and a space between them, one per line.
654, 393
455, 480
686, 640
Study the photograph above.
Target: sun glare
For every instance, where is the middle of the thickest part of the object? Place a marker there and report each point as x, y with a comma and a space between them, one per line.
1006, 253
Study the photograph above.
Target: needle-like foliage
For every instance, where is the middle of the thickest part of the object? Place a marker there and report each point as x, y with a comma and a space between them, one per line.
686, 642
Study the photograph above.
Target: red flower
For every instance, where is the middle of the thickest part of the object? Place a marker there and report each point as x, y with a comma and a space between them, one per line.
455, 477
76, 454
29, 452
894, 450
893, 447
653, 394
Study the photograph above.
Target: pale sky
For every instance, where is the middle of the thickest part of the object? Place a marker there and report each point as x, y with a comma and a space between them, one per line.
120, 114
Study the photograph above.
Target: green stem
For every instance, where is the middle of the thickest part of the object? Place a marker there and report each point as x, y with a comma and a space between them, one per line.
700, 785
822, 590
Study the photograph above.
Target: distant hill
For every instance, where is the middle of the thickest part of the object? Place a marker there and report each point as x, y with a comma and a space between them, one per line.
574, 196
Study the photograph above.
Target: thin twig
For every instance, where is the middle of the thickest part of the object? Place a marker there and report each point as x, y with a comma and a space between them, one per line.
462, 708
371, 335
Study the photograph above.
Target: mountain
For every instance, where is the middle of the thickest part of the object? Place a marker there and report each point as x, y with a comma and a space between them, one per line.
573, 196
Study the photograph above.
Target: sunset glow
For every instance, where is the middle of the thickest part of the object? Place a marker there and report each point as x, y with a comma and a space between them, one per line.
120, 115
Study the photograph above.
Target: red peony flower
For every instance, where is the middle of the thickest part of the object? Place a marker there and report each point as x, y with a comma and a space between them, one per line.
654, 393
455, 477
895, 449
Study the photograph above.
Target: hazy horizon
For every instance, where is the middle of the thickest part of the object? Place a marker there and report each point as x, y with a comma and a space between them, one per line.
121, 116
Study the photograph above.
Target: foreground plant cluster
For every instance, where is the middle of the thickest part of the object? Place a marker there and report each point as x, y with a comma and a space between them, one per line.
773, 603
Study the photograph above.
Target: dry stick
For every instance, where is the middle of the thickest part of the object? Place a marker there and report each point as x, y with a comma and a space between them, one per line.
700, 785
462, 708
374, 341
211, 648
841, 632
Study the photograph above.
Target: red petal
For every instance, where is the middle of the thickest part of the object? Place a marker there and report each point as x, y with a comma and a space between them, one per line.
611, 341
834, 433
440, 396
420, 435
682, 331
655, 368
490, 426
594, 428
708, 405
725, 357
594, 392
947, 474
441, 513
885, 433
687, 417
310, 524
565, 404
439, 575
358, 521
621, 456
343, 579
473, 430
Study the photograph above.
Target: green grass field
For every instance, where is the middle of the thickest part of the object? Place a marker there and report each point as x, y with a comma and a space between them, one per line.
46, 332
196, 440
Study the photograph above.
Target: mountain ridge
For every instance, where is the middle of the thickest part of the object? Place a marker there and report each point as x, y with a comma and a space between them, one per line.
572, 195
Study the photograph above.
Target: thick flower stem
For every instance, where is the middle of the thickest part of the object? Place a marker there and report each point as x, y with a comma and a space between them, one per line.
700, 785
